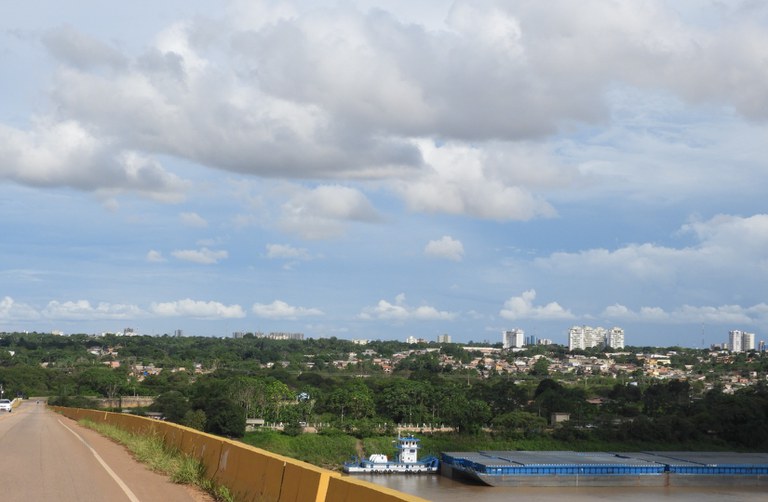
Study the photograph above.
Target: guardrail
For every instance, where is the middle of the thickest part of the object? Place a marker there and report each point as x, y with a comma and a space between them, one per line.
251, 474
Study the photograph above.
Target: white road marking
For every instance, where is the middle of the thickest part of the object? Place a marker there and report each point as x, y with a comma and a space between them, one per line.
131, 496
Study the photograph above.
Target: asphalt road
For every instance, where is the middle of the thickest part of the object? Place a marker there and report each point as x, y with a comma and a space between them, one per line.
47, 457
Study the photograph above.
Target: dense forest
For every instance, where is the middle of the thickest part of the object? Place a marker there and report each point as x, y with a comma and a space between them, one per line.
215, 384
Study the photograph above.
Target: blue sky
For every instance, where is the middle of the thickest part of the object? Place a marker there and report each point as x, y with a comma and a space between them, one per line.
366, 169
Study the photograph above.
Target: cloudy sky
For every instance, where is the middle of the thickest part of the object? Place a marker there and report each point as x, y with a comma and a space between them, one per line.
366, 169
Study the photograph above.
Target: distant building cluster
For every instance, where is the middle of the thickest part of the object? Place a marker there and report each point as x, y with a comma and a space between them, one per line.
586, 337
516, 339
281, 336
741, 341
271, 336
443, 338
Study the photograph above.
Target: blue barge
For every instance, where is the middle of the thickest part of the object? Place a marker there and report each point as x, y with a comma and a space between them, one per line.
568, 468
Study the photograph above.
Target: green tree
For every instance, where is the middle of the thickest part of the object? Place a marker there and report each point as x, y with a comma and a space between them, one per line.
540, 367
404, 400
224, 417
195, 419
173, 405
101, 381
518, 422
666, 398
354, 400
551, 396
504, 395
458, 410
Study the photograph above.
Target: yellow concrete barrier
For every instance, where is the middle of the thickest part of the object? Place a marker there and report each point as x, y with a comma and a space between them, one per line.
250, 474
136, 425
348, 489
204, 447
304, 482
121, 421
171, 433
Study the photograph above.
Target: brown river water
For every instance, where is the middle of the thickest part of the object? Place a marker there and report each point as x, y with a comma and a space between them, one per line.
439, 489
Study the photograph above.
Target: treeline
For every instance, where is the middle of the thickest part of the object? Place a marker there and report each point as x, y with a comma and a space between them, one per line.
363, 400
247, 353
665, 412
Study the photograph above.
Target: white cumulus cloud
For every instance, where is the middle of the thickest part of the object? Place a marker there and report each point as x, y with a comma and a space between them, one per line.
11, 310
322, 212
620, 312
400, 311
279, 309
286, 251
446, 247
688, 314
68, 154
522, 307
488, 183
197, 309
203, 256
724, 249
84, 310
321, 95
192, 219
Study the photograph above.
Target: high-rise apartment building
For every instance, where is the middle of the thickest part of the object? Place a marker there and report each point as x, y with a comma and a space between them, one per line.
576, 339
615, 338
443, 338
741, 341
513, 338
748, 341
585, 337
734, 340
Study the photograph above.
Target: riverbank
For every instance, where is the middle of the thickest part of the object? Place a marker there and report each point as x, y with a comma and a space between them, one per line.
331, 450
444, 489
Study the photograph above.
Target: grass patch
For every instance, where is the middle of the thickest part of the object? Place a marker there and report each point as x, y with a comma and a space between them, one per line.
328, 451
151, 451
332, 450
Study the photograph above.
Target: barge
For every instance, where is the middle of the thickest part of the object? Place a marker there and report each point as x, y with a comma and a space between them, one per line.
406, 461
568, 468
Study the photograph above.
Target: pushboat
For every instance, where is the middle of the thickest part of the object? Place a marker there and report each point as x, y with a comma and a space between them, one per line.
406, 461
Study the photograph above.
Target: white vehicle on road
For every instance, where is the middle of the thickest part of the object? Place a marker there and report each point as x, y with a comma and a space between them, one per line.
5, 405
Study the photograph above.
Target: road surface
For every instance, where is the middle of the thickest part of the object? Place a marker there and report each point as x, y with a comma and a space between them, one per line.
47, 457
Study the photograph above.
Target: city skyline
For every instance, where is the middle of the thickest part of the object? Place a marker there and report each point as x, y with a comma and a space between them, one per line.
379, 170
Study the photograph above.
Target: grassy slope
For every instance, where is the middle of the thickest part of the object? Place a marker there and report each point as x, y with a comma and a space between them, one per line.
330, 451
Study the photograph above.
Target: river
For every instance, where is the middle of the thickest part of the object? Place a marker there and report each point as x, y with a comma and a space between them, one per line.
441, 489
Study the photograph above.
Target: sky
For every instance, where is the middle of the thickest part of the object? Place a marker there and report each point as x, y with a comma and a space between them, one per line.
379, 170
